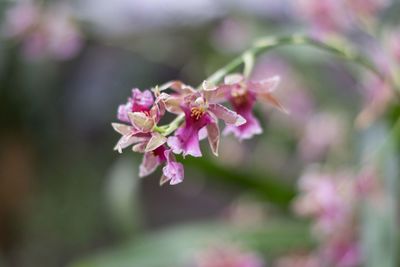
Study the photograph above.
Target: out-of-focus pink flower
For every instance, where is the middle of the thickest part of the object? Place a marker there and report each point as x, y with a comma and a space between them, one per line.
393, 44
228, 257
328, 16
308, 260
43, 32
231, 35
377, 96
200, 112
242, 95
298, 100
327, 198
322, 132
19, 19
343, 252
366, 9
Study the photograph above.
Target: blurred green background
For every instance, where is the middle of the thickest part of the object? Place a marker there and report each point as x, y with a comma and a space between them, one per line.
68, 199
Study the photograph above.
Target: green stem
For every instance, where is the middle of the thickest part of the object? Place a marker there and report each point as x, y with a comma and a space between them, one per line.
268, 43
265, 44
174, 124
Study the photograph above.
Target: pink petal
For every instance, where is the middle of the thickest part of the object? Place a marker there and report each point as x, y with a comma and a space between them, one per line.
127, 140
227, 115
122, 128
213, 137
264, 86
245, 131
171, 102
233, 79
140, 147
172, 171
141, 121
270, 99
142, 101
149, 164
155, 141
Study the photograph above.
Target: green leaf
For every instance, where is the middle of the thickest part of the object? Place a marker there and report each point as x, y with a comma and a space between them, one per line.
178, 245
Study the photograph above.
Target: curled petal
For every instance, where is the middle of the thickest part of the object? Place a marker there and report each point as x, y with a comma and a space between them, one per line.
141, 121
270, 99
213, 137
177, 86
208, 87
155, 141
127, 140
149, 164
171, 102
140, 147
122, 128
233, 78
227, 115
264, 86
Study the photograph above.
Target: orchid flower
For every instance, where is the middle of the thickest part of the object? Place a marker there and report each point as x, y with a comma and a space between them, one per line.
140, 101
201, 112
243, 94
142, 113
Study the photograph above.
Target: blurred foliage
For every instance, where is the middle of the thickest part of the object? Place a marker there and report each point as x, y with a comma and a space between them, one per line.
178, 246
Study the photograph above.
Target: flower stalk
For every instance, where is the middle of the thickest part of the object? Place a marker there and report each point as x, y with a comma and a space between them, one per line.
199, 110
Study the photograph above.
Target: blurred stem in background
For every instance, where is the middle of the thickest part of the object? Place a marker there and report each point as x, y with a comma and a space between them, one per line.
343, 50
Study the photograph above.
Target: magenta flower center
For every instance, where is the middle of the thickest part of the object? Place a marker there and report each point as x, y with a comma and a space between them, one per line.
239, 97
159, 152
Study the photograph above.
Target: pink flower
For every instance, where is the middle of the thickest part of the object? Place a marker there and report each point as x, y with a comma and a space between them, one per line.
139, 102
367, 9
328, 16
323, 132
172, 171
327, 198
377, 96
143, 114
20, 18
200, 113
343, 252
43, 32
242, 95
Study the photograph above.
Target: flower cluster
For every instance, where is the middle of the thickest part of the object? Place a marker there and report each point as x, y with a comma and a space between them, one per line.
48, 31
197, 114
